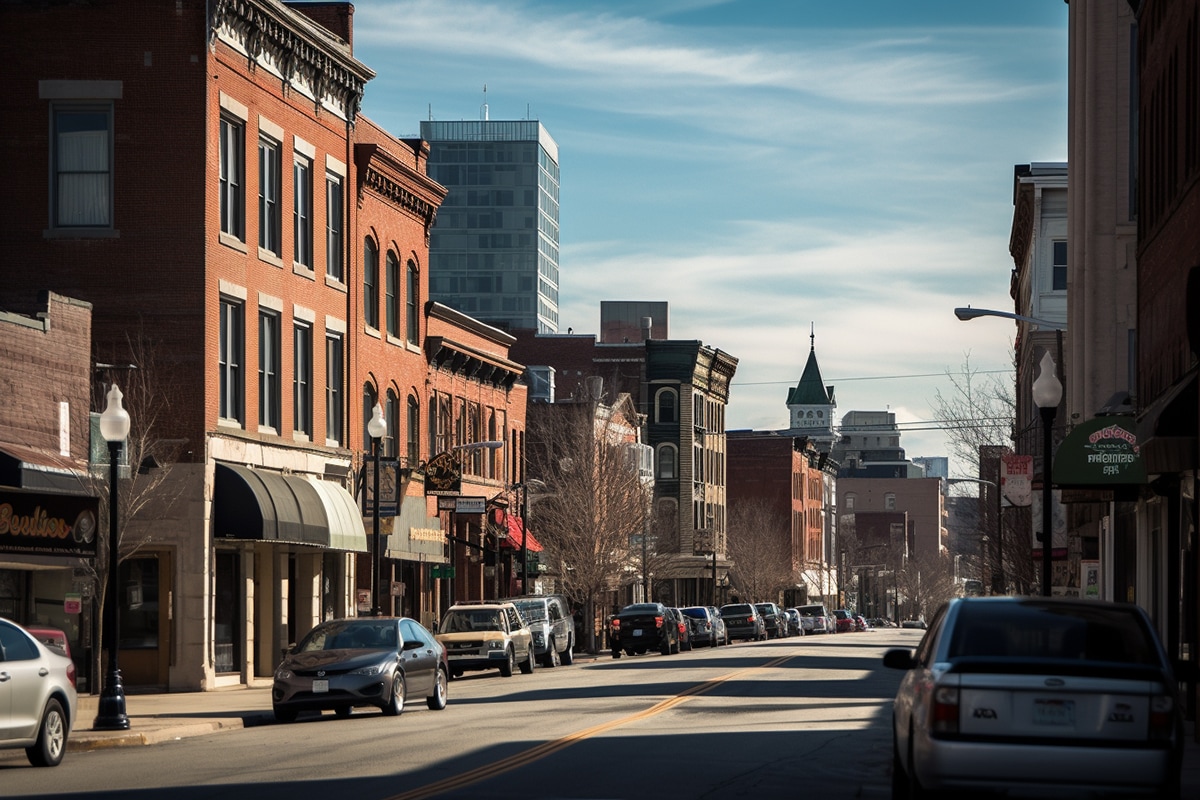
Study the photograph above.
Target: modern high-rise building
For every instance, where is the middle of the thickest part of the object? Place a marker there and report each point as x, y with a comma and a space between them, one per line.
493, 253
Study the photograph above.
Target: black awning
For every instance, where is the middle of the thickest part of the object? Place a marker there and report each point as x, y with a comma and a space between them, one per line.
267, 506
1166, 429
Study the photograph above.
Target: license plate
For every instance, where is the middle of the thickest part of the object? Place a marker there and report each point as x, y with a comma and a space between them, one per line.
1057, 713
320, 685
637, 632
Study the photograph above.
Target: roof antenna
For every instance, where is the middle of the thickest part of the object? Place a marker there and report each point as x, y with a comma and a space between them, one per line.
812, 336
483, 109
431, 112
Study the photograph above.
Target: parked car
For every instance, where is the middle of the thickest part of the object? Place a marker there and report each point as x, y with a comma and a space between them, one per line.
53, 638
684, 623
773, 620
486, 635
843, 619
744, 622
40, 704
549, 619
815, 618
721, 631
344, 664
1036, 695
861, 623
795, 626
704, 625
641, 627
913, 623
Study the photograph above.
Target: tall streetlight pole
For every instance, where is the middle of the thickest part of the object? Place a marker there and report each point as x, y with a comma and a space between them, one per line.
376, 429
1047, 393
114, 427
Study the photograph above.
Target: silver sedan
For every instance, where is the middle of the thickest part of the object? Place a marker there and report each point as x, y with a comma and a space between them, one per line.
38, 702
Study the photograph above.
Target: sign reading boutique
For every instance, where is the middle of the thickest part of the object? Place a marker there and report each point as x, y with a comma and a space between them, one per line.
39, 523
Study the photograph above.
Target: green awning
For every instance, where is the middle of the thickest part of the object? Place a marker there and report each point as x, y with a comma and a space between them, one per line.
1103, 451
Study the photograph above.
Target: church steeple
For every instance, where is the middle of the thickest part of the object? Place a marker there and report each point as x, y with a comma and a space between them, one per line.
810, 403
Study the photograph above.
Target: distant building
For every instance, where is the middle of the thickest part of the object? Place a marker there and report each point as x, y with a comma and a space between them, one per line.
933, 466
868, 446
493, 253
811, 403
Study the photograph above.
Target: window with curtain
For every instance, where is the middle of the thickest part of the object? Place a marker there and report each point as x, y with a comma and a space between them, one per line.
333, 226
82, 188
391, 305
233, 177
371, 283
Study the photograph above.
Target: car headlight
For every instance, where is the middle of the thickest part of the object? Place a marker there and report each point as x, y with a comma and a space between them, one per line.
374, 669
496, 644
282, 674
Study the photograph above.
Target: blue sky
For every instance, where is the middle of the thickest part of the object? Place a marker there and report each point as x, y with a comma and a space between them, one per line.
765, 167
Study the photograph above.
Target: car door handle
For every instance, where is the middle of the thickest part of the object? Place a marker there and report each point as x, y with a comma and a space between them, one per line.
4, 676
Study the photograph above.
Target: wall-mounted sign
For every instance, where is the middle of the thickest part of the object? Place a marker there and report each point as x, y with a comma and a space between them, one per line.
443, 474
40, 523
1016, 479
1102, 451
470, 505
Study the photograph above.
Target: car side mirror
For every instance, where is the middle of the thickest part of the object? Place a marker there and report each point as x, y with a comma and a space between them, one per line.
412, 644
899, 658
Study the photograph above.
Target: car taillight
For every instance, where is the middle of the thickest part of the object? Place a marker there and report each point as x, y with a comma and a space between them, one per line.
616, 624
71, 672
658, 622
681, 627
1161, 728
943, 717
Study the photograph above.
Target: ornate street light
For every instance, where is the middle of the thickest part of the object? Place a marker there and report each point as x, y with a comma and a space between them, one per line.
114, 427
376, 429
1047, 393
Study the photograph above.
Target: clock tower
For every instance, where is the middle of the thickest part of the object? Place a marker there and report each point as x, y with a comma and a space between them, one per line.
810, 404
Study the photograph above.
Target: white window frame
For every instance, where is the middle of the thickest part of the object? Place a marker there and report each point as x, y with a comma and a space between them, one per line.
231, 347
302, 209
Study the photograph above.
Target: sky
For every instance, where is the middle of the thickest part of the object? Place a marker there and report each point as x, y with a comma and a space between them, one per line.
781, 172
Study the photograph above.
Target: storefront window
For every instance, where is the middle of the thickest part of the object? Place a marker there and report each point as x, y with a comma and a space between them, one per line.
138, 603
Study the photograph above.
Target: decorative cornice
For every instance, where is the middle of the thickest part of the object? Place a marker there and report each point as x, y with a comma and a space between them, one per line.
301, 49
1022, 227
399, 185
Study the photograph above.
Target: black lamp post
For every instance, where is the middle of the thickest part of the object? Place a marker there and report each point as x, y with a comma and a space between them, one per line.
110, 711
1047, 393
376, 429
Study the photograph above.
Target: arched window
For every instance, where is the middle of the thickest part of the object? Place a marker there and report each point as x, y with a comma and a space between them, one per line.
666, 406
668, 462
371, 283
391, 413
412, 300
392, 296
413, 434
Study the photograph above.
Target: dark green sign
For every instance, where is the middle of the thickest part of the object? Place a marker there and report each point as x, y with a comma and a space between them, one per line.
1103, 451
441, 571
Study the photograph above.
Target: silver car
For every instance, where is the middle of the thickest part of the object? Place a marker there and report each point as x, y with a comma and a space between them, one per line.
1036, 696
38, 702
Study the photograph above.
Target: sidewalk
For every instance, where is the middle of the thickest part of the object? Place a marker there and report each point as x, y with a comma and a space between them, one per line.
155, 718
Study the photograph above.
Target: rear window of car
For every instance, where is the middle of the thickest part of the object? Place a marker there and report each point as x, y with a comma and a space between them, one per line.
812, 611
1034, 630
641, 608
742, 608
696, 613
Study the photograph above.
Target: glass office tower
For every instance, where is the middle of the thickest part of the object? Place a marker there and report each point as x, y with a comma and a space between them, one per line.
493, 253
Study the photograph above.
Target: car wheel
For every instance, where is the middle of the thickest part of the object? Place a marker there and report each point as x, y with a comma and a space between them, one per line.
529, 662
285, 715
551, 660
51, 742
437, 700
713, 641
506, 669
395, 706
616, 653
342, 711
568, 655
629, 651
665, 648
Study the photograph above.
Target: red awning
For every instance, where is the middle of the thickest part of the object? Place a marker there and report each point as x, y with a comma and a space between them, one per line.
514, 535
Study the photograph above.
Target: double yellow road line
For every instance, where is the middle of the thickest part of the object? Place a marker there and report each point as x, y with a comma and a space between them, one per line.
547, 748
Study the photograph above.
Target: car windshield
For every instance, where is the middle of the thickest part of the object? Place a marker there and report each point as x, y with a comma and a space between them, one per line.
765, 607
840, 614
532, 610
1049, 630
737, 609
812, 611
697, 613
471, 620
642, 608
349, 635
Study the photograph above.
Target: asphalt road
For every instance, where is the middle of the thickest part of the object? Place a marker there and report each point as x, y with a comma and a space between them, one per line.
804, 716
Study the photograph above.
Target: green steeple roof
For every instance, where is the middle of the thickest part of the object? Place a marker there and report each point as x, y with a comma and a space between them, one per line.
811, 390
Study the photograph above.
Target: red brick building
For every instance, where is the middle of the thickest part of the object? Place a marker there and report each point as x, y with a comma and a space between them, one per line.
258, 249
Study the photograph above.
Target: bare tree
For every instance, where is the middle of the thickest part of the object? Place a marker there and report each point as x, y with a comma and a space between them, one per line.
979, 411
759, 544
595, 503
923, 583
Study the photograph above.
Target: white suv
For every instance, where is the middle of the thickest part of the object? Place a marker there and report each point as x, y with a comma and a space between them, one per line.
486, 635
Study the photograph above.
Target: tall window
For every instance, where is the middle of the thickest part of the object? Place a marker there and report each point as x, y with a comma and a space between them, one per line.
269, 405
233, 172
413, 432
392, 298
302, 365
371, 283
82, 189
411, 300
666, 406
269, 183
303, 207
1059, 266
668, 457
333, 226
230, 361
391, 413
333, 387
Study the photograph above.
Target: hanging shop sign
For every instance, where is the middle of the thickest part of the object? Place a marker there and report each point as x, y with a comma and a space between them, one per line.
1103, 451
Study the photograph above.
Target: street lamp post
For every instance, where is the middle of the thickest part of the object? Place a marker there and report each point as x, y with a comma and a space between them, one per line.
376, 429
1047, 393
114, 427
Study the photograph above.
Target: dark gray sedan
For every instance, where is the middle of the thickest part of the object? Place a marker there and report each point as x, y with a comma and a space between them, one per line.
352, 663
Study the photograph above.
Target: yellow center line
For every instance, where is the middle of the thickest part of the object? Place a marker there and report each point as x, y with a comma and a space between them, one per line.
547, 748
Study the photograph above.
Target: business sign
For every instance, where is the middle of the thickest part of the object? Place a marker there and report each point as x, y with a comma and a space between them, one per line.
1016, 479
389, 487
470, 505
443, 474
1102, 451
41, 523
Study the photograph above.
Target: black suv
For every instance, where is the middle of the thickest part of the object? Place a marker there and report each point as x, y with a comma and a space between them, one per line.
641, 627
549, 618
773, 619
